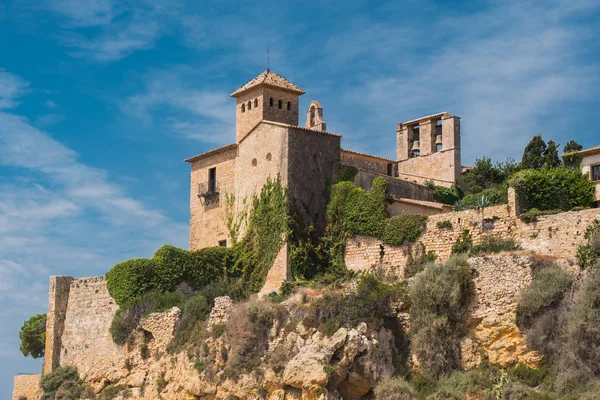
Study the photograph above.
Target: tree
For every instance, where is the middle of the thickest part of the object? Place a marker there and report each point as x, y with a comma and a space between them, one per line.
551, 158
533, 156
572, 160
33, 336
482, 176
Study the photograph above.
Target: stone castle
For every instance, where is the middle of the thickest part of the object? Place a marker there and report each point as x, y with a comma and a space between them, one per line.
269, 143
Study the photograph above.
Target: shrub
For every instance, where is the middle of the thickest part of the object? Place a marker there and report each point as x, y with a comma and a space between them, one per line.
533, 214
64, 380
414, 265
547, 288
394, 389
580, 356
370, 303
532, 377
493, 244
354, 211
463, 244
445, 224
248, 331
486, 198
346, 174
33, 336
195, 310
443, 194
552, 189
588, 254
173, 266
128, 280
439, 299
404, 227
127, 317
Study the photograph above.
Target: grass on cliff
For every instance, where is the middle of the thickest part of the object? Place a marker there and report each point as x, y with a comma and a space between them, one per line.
439, 308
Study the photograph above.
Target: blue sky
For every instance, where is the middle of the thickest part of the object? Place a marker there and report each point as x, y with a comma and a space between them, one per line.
101, 100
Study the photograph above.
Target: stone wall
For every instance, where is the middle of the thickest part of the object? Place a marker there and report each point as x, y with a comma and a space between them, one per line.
55, 320
86, 341
207, 226
396, 187
440, 167
27, 387
365, 162
555, 236
312, 166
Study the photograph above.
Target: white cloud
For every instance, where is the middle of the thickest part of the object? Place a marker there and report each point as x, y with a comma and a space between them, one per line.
11, 88
84, 13
506, 71
169, 100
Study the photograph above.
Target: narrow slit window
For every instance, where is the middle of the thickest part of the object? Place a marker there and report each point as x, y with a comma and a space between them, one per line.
249, 105
255, 103
280, 104
270, 102
289, 105
212, 180
243, 107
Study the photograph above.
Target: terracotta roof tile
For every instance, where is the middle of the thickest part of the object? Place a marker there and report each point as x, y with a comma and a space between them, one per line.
593, 150
269, 78
431, 204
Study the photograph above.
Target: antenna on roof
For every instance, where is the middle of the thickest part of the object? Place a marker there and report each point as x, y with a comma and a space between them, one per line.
268, 55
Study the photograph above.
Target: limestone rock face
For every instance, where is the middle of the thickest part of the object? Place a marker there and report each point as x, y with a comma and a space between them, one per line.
498, 280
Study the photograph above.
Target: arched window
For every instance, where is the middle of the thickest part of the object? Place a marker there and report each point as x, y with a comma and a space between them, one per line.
255, 103
243, 107
270, 102
289, 105
249, 105
280, 104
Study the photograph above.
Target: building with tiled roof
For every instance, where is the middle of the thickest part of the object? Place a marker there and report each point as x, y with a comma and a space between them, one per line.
590, 165
271, 143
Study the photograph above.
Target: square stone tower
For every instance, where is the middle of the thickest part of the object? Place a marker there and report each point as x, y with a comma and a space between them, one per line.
268, 97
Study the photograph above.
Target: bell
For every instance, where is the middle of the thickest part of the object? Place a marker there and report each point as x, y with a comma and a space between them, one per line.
438, 140
416, 146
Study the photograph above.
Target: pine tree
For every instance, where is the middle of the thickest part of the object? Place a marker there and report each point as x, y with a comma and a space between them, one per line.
572, 160
533, 156
551, 158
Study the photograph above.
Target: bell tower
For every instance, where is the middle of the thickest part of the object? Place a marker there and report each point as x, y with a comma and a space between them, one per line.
268, 97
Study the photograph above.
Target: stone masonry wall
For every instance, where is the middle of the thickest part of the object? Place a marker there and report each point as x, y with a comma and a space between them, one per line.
27, 387
86, 341
369, 163
396, 187
556, 236
55, 320
207, 226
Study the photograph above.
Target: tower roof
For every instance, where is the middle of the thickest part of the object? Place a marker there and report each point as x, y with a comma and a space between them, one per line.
269, 78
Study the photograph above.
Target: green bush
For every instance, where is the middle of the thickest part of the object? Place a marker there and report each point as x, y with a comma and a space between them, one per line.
439, 299
394, 389
404, 227
195, 310
173, 266
346, 174
552, 189
128, 280
63, 383
127, 317
443, 194
414, 265
493, 244
33, 336
370, 303
354, 211
547, 288
588, 254
485, 198
445, 224
532, 377
533, 214
463, 244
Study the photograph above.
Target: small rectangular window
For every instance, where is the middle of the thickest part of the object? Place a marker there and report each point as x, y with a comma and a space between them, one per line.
223, 243
596, 173
390, 169
212, 180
